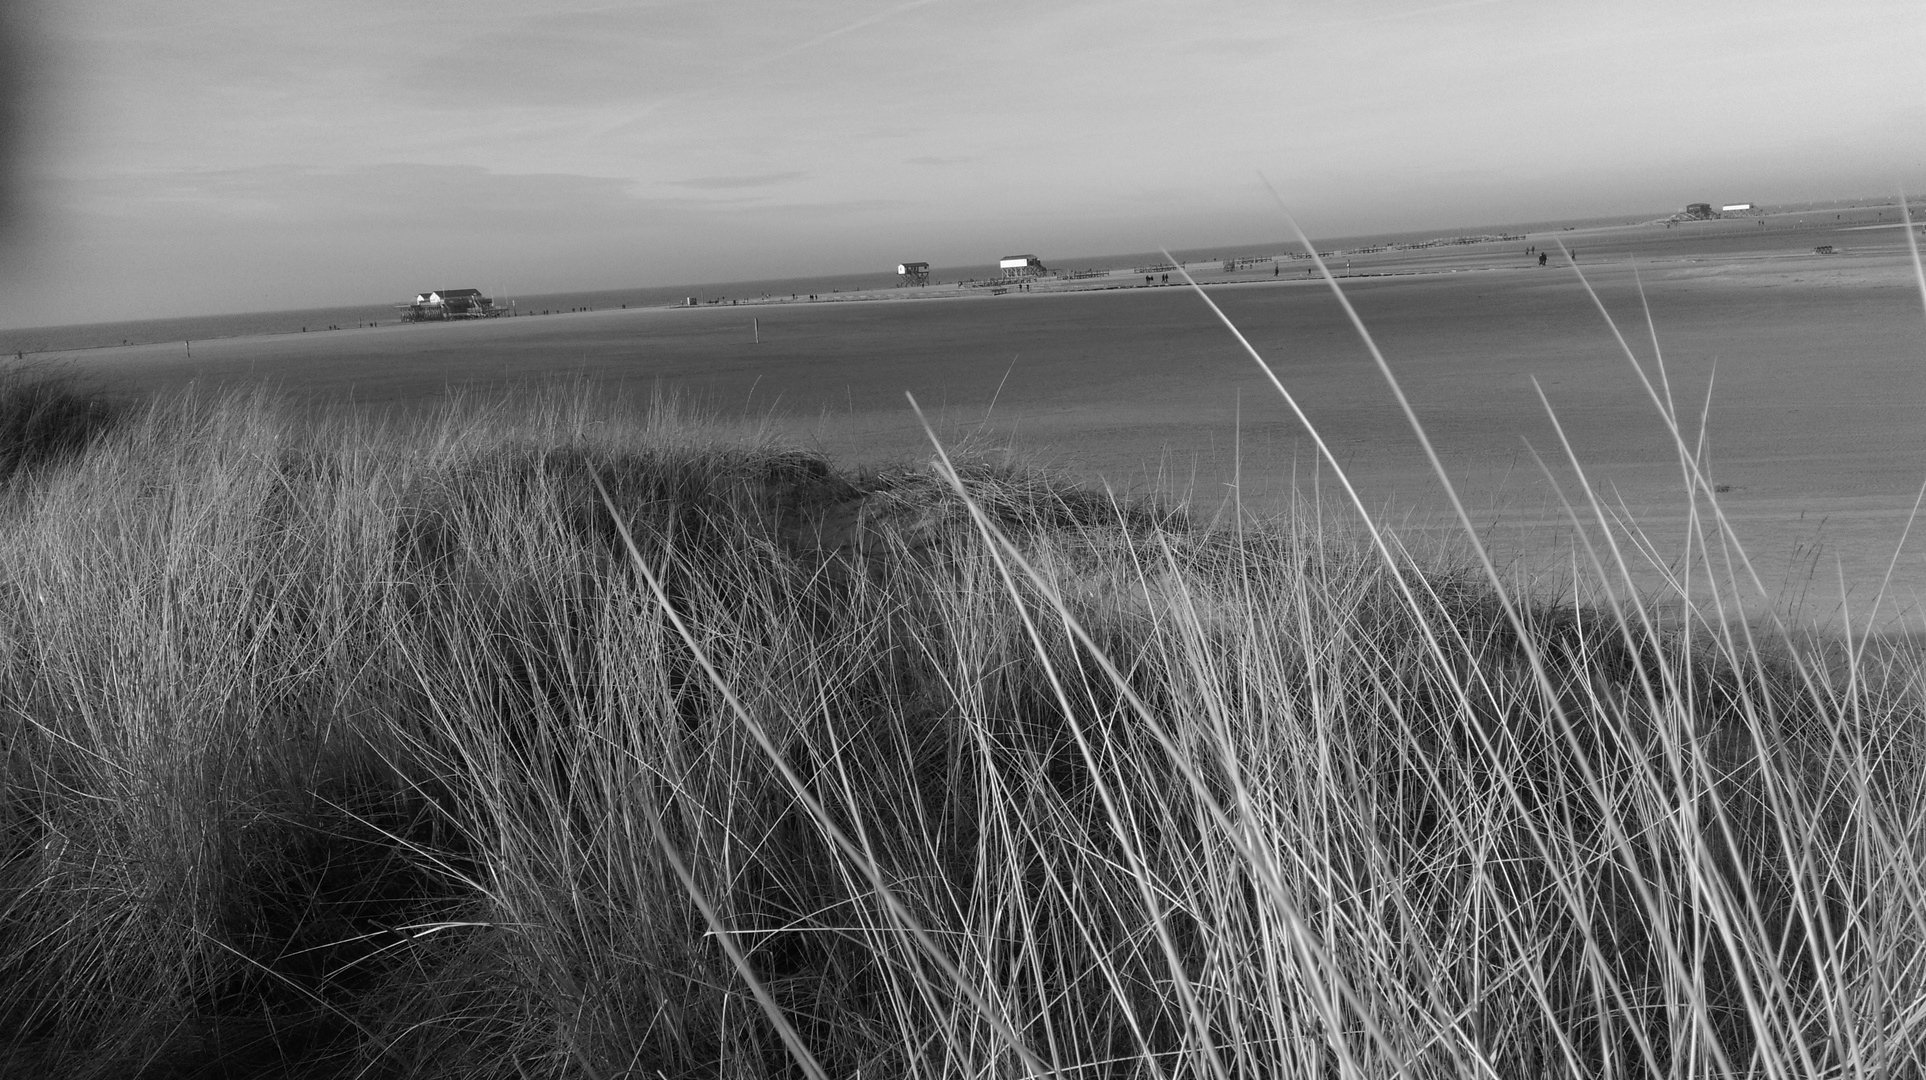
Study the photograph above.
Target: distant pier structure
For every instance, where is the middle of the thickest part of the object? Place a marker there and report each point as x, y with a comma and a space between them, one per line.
437, 304
1022, 266
914, 273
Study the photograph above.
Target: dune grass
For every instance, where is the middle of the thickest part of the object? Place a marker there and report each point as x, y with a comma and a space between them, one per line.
552, 742
372, 752
48, 414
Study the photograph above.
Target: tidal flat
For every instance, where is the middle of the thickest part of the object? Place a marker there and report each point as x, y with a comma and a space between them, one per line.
1803, 368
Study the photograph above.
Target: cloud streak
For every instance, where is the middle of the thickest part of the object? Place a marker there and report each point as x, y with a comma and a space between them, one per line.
723, 183
765, 61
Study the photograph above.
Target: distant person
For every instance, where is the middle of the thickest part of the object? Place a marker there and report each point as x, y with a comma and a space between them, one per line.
1166, 279
1541, 258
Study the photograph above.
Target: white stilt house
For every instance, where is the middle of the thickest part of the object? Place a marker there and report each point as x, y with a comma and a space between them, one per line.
1022, 266
438, 304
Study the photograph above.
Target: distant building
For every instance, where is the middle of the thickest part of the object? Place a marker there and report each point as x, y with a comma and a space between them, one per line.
448, 304
1699, 211
914, 273
1022, 266
1736, 208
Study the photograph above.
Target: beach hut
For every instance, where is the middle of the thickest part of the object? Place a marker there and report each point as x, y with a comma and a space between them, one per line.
1022, 266
914, 273
425, 306
437, 304
1699, 211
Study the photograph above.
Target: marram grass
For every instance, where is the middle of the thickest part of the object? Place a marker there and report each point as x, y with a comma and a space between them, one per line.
575, 746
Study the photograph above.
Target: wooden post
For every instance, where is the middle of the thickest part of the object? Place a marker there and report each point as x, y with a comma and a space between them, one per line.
756, 324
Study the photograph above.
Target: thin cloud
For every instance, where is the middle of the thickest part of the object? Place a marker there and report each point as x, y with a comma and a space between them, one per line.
824, 209
386, 194
718, 183
763, 62
870, 20
1235, 46
1431, 10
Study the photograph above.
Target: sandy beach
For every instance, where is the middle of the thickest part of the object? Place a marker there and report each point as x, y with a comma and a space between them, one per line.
1807, 367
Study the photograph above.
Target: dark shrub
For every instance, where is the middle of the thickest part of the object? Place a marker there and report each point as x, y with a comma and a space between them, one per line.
47, 415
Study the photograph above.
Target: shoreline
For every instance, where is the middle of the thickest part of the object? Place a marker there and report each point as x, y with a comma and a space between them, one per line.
1653, 245
1042, 288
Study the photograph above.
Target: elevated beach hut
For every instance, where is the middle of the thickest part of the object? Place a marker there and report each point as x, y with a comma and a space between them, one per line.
913, 273
438, 304
1022, 266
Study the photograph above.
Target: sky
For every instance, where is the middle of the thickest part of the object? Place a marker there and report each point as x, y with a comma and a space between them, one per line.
210, 156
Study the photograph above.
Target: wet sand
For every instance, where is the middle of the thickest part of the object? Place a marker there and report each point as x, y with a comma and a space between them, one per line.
1816, 367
